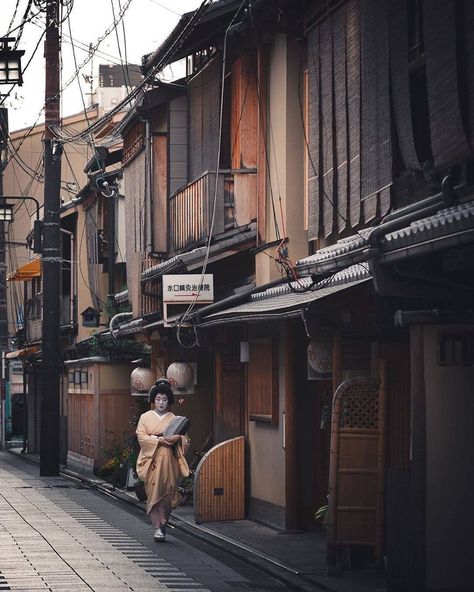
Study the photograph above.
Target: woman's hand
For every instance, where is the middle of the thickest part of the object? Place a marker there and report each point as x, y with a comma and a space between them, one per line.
173, 439
164, 442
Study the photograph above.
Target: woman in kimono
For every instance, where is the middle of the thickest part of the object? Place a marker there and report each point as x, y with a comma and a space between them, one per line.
157, 464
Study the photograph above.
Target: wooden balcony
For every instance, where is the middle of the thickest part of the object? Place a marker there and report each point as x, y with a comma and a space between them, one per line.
191, 208
34, 315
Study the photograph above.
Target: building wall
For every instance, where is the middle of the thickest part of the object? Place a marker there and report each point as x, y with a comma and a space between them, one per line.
285, 156
267, 455
134, 191
450, 462
19, 179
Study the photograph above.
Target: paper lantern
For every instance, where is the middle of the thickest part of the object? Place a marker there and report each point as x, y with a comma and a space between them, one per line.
180, 376
141, 381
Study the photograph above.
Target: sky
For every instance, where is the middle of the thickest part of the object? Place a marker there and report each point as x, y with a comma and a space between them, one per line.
146, 23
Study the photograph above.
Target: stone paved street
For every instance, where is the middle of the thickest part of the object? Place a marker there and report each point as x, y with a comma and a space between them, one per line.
57, 535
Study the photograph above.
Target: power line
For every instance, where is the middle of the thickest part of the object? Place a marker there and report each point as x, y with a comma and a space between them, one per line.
136, 91
218, 156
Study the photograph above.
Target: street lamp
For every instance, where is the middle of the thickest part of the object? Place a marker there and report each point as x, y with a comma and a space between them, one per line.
6, 215
10, 62
6, 212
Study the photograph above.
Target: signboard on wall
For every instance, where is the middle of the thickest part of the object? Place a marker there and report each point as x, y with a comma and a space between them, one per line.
187, 288
320, 359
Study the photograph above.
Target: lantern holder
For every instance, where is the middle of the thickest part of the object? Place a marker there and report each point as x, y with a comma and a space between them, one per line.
10, 62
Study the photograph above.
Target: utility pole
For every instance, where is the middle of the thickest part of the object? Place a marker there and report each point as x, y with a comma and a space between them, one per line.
51, 259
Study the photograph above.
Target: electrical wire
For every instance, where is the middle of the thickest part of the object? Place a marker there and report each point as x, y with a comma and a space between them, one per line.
99, 123
106, 33
12, 20
218, 155
123, 64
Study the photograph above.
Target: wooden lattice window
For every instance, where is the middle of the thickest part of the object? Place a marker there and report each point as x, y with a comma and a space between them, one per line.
456, 349
263, 380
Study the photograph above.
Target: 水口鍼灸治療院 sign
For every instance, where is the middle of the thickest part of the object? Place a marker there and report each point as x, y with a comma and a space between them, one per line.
189, 287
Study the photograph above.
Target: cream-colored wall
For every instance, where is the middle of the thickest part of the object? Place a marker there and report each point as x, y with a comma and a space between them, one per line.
285, 149
267, 456
450, 468
19, 180
83, 291
115, 377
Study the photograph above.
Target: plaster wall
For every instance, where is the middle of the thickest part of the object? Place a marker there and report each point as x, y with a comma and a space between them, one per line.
115, 377
18, 180
450, 468
267, 455
285, 152
83, 289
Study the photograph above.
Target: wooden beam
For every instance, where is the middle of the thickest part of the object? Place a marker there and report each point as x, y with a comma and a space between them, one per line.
417, 567
291, 460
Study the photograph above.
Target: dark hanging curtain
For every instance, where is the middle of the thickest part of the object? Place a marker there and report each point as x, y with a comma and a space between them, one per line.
93, 252
398, 44
340, 118
313, 134
349, 125
376, 155
466, 32
448, 138
353, 109
329, 199
204, 101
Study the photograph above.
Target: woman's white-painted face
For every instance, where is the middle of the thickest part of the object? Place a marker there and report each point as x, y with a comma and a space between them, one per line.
161, 403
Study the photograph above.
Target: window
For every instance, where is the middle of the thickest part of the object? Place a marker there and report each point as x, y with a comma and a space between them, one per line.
263, 380
456, 349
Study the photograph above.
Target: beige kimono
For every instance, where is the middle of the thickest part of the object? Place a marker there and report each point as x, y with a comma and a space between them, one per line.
158, 467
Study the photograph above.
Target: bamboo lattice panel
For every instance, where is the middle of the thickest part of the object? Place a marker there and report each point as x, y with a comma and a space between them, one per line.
357, 463
219, 483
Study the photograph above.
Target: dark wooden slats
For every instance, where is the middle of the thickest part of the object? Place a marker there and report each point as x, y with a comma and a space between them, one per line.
327, 130
376, 163
314, 135
353, 108
340, 118
448, 138
398, 44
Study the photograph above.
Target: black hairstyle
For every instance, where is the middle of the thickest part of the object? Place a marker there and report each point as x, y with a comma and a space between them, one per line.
161, 386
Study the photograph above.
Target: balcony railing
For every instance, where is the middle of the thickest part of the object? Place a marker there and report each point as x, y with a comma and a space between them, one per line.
34, 315
190, 209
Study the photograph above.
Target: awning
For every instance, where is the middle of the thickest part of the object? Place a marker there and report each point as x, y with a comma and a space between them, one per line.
448, 228
26, 272
280, 302
21, 353
191, 260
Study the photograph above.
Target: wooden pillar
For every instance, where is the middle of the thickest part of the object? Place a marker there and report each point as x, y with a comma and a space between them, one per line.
331, 551
336, 362
291, 461
417, 566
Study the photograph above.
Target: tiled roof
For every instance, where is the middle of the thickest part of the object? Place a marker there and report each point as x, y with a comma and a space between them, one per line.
344, 246
281, 300
446, 222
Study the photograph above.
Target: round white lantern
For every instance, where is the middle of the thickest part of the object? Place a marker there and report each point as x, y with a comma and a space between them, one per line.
141, 381
180, 376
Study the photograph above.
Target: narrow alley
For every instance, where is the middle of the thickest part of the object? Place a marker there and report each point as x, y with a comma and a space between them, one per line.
59, 535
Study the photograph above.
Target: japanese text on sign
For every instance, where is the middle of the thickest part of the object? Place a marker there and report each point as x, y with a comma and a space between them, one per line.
188, 288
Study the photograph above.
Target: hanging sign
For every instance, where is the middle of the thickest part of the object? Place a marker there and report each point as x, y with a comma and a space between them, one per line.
320, 359
186, 288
